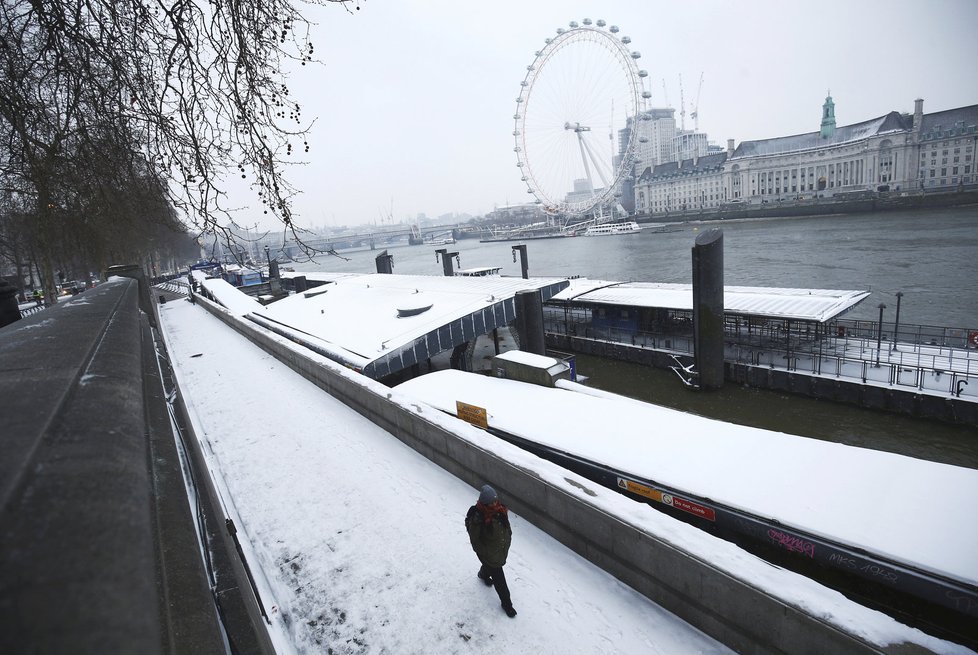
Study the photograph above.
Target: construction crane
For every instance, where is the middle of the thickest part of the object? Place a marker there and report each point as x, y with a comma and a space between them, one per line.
682, 105
695, 114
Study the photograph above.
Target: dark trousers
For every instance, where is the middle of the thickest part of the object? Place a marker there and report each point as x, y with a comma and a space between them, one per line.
498, 578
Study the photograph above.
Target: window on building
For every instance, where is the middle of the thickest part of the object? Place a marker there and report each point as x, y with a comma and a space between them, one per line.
943, 172
954, 171
967, 169
932, 171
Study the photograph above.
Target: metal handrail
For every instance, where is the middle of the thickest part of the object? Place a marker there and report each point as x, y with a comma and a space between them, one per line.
851, 353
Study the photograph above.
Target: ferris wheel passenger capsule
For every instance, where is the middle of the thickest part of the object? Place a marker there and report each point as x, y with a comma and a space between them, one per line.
601, 23
560, 30
516, 117
531, 67
587, 21
613, 29
643, 73
573, 24
516, 132
626, 40
523, 83
636, 54
547, 41
646, 94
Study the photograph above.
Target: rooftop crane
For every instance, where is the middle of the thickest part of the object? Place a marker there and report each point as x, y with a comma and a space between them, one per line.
695, 114
682, 105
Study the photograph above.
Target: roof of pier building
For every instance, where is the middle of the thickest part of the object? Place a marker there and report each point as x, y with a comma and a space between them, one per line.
888, 123
816, 305
380, 324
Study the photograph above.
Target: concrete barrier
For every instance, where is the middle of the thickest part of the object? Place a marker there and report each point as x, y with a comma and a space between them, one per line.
731, 610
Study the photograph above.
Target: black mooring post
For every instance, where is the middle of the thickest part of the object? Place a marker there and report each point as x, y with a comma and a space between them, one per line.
529, 321
524, 268
446, 261
708, 308
385, 263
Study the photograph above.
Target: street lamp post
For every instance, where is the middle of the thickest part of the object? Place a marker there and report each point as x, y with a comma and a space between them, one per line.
879, 335
896, 324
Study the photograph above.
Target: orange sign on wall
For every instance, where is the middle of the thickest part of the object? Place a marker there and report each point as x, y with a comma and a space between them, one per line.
472, 414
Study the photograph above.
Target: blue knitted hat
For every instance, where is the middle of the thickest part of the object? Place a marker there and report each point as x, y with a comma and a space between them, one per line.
488, 495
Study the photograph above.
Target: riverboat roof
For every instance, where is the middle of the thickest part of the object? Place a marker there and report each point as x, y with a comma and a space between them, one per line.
746, 468
383, 323
818, 305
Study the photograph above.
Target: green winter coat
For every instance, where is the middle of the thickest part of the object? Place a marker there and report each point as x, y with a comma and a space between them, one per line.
490, 541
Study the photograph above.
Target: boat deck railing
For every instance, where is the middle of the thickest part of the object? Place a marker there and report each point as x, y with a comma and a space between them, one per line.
925, 358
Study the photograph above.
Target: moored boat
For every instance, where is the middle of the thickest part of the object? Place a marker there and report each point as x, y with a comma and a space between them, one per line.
626, 227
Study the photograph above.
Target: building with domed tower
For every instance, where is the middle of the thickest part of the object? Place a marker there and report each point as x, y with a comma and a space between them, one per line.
896, 152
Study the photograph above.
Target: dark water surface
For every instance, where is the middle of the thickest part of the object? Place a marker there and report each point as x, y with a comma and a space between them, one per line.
932, 257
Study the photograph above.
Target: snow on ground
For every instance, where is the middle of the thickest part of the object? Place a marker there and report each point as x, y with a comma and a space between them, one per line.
361, 539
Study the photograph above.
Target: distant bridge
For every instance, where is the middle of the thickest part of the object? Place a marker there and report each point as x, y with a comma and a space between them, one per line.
375, 237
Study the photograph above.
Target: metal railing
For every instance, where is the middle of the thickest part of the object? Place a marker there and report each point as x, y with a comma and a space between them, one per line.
925, 358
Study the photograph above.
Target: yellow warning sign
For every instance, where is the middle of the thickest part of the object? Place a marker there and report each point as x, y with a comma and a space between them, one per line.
471, 413
640, 489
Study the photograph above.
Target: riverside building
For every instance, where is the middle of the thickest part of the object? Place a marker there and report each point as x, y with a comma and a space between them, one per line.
896, 152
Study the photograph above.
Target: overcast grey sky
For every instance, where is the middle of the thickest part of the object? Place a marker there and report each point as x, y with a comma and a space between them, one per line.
415, 99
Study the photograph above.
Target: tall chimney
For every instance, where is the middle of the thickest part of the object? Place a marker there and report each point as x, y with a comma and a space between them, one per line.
730, 147
918, 113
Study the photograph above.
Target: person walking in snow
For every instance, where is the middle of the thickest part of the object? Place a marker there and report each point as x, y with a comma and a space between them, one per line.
487, 523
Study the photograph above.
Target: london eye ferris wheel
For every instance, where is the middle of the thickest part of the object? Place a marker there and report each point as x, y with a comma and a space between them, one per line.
580, 93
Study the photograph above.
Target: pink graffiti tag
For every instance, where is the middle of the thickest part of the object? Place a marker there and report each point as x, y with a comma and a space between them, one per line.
792, 543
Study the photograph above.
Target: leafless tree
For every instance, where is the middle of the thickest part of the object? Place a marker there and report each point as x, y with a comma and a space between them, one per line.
178, 94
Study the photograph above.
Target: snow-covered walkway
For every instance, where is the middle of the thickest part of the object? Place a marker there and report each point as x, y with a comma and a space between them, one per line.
360, 540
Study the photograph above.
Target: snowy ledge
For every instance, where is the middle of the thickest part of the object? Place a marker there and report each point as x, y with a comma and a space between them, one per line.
728, 593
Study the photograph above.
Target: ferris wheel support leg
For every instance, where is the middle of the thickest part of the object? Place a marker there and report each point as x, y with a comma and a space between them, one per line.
597, 167
587, 168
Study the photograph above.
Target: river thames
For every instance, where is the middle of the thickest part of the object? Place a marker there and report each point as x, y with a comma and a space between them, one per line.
932, 257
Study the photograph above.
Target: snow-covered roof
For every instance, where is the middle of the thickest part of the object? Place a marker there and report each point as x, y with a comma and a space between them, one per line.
799, 304
235, 301
528, 359
850, 495
891, 122
318, 276
382, 323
